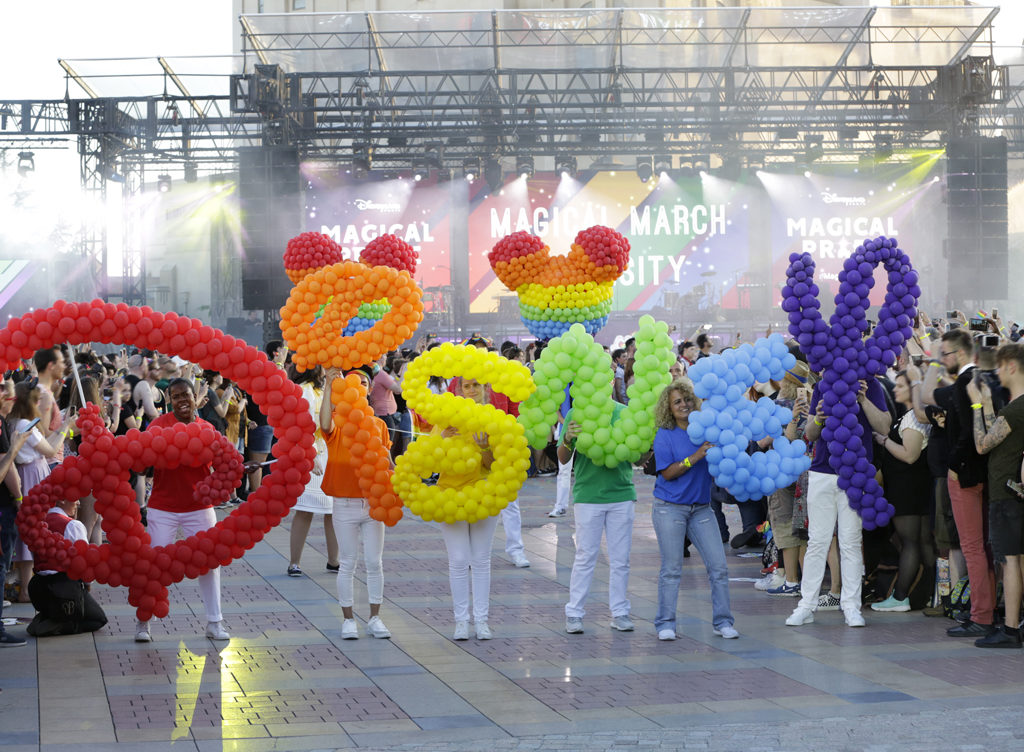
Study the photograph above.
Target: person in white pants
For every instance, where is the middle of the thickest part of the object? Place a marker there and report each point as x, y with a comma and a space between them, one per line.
469, 545
563, 483
350, 515
172, 507
827, 505
603, 504
512, 521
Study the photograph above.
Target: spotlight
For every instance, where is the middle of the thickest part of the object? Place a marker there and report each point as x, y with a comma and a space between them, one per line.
493, 174
662, 165
471, 168
565, 166
420, 169
26, 162
163, 183
883, 146
361, 160
443, 174
815, 146
524, 167
644, 168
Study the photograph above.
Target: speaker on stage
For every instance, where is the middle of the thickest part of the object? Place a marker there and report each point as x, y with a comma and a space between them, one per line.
270, 198
977, 214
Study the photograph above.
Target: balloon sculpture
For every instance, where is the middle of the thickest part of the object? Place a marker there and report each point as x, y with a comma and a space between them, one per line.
313, 250
104, 461
577, 358
731, 421
557, 291
314, 322
460, 454
844, 358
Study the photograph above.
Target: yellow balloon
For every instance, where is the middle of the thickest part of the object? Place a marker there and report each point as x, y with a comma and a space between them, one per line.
464, 491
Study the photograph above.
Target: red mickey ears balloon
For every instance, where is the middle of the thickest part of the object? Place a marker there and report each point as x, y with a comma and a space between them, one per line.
390, 250
102, 467
308, 252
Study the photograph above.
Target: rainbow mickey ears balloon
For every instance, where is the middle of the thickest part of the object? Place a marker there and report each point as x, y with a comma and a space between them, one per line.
313, 250
556, 292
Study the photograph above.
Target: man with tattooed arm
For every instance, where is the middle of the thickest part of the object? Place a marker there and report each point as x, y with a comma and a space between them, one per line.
1002, 439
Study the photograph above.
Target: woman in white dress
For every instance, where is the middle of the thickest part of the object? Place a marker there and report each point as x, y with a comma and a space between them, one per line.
313, 500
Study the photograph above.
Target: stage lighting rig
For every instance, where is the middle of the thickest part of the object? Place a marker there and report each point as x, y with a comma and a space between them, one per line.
420, 169
493, 174
565, 166
471, 168
26, 162
814, 143
644, 168
524, 167
662, 165
191, 172
163, 183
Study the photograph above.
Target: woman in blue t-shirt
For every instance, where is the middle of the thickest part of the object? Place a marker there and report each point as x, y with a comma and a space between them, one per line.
682, 508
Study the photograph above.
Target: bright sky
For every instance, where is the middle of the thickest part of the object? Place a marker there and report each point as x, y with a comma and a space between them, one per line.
35, 35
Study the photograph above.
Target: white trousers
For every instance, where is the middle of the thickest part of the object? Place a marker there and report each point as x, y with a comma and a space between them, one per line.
512, 521
826, 505
469, 548
615, 521
352, 522
163, 528
563, 485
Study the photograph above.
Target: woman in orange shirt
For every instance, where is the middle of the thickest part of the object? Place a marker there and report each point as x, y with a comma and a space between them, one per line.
351, 516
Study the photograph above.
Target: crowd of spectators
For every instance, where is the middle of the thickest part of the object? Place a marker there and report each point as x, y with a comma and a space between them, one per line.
947, 424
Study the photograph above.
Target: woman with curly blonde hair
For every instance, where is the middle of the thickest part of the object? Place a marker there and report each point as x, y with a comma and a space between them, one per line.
682, 508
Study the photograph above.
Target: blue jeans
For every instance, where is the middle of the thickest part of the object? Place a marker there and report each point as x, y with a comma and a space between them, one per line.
673, 523
8, 540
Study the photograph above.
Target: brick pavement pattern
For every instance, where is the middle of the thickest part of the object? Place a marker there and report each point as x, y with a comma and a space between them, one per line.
287, 681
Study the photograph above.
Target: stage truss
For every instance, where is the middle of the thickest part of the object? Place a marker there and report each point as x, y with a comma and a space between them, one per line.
726, 88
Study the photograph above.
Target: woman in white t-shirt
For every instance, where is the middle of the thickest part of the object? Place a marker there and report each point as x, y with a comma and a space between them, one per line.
31, 460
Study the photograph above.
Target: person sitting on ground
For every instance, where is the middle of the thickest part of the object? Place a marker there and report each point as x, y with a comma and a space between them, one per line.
64, 606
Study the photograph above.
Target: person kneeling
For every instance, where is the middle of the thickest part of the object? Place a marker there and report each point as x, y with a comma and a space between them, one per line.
64, 605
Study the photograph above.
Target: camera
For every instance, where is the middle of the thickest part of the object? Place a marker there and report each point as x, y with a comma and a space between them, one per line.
1000, 396
951, 315
990, 341
977, 324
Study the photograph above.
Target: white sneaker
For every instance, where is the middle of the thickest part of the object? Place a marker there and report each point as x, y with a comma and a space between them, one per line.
461, 631
349, 630
853, 617
666, 634
770, 581
142, 632
483, 632
799, 617
574, 625
375, 628
520, 560
215, 631
728, 632
557, 513
622, 623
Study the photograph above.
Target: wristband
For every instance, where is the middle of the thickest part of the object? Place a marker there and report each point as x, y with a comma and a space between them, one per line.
818, 422
976, 406
686, 463
19, 498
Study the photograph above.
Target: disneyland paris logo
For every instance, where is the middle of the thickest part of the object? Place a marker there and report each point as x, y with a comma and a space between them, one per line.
363, 204
834, 198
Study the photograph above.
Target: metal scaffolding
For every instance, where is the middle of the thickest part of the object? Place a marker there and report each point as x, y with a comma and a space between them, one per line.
725, 88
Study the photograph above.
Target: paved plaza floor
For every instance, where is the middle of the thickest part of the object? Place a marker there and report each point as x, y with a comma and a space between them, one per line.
287, 681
